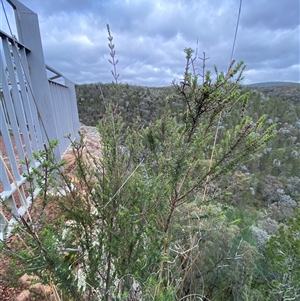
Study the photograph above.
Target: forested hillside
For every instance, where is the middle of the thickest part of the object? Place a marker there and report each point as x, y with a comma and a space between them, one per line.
193, 194
277, 167
257, 198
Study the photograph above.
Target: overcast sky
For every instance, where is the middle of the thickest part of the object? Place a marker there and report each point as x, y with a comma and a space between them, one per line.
150, 36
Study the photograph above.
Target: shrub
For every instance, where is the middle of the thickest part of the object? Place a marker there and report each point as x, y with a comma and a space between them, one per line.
120, 213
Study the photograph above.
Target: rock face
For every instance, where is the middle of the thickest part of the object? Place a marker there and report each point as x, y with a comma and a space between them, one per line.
34, 289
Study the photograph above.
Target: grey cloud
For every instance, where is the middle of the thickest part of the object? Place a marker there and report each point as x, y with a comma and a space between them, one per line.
51, 7
270, 74
262, 47
275, 14
150, 36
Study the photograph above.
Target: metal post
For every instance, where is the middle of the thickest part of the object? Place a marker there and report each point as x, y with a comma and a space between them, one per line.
74, 109
29, 34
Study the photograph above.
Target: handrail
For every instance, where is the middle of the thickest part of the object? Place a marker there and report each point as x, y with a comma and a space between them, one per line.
58, 74
34, 110
12, 40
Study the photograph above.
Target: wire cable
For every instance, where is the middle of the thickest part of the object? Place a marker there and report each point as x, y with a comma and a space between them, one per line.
236, 30
217, 129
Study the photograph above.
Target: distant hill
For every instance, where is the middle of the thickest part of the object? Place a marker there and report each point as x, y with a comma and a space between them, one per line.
283, 90
271, 84
147, 102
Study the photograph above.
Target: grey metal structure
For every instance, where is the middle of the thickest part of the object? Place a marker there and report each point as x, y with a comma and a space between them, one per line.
34, 110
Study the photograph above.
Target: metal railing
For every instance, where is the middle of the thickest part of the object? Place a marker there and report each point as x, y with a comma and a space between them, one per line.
34, 110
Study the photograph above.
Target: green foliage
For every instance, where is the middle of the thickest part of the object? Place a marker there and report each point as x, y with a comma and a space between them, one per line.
142, 218
283, 254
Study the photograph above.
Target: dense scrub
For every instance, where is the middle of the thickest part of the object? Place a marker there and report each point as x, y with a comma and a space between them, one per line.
194, 196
